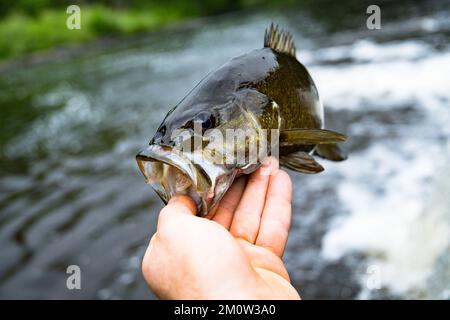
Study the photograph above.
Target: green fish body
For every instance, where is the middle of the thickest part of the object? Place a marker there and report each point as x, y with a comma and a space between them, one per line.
266, 90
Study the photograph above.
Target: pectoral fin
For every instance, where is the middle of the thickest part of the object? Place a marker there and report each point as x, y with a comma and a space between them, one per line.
291, 137
330, 151
301, 162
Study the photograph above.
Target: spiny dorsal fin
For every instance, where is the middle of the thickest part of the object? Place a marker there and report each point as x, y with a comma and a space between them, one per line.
279, 40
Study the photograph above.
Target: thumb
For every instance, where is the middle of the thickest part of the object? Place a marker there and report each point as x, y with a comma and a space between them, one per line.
177, 208
179, 204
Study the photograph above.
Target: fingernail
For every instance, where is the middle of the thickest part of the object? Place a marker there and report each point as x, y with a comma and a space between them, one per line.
175, 198
183, 201
269, 167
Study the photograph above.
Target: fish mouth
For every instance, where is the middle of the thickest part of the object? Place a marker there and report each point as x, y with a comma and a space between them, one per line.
170, 172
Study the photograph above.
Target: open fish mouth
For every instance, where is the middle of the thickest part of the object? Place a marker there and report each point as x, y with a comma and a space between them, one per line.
171, 173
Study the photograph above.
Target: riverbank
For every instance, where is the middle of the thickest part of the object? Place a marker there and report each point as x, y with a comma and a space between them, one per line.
24, 31
22, 34
111, 42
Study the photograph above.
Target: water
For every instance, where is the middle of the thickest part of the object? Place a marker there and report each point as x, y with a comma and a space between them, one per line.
71, 193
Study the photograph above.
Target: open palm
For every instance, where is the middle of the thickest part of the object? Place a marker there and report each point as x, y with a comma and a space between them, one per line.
235, 253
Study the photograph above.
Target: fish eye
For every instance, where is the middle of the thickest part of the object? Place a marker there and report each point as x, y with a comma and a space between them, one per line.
206, 119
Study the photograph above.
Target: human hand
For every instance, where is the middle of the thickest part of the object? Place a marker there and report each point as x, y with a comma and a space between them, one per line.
233, 253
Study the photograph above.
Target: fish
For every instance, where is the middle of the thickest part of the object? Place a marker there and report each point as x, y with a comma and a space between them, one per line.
267, 99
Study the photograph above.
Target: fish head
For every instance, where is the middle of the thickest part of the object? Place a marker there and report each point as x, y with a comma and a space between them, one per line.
172, 172
192, 153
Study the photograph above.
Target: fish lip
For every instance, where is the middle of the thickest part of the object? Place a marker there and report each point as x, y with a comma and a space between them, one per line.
168, 155
192, 167
173, 157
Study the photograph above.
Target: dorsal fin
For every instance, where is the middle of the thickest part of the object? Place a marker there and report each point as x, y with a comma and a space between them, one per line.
279, 40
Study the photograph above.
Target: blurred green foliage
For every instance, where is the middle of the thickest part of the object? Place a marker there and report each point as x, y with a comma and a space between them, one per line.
188, 7
21, 33
32, 25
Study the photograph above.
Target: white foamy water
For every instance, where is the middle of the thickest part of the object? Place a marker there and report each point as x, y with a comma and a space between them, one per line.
397, 191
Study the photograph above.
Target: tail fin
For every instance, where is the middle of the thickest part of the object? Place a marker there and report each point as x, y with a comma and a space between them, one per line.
279, 40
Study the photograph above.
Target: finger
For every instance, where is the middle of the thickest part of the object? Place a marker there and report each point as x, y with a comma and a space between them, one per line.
177, 206
260, 259
182, 204
247, 216
276, 217
227, 206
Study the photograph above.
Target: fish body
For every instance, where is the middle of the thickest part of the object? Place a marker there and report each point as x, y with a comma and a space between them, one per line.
264, 91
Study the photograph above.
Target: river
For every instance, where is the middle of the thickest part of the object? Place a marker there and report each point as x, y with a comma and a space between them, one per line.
374, 226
